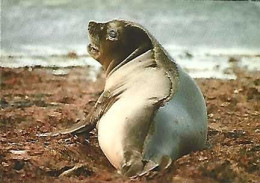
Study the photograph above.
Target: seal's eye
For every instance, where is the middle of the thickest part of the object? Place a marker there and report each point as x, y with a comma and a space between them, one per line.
112, 34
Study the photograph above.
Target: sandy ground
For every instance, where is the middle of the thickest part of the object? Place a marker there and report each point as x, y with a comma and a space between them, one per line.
34, 100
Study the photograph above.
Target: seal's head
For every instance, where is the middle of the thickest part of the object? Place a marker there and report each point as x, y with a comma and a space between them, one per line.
114, 41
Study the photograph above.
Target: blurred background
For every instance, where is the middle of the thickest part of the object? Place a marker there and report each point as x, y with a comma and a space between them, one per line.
205, 37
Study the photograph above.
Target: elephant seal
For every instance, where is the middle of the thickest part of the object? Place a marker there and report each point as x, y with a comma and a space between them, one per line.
150, 112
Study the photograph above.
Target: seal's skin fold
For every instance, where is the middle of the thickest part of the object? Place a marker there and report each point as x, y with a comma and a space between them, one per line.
151, 112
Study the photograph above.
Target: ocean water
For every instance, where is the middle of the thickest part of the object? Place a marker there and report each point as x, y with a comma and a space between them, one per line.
201, 36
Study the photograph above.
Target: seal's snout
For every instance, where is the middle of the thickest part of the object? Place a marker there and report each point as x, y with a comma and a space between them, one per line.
94, 35
91, 25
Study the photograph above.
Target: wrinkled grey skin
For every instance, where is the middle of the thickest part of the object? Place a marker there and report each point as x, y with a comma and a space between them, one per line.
151, 112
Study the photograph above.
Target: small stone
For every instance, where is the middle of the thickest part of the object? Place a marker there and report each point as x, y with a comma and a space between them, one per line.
211, 115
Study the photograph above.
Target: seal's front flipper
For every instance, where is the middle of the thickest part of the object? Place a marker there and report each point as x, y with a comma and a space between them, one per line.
102, 105
80, 127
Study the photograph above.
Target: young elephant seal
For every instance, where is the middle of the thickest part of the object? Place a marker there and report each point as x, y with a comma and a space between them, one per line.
151, 112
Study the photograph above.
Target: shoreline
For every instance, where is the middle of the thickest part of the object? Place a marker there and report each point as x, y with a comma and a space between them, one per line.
207, 65
35, 100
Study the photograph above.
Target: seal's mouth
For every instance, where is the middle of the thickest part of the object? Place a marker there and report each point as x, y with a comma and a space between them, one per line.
94, 46
93, 49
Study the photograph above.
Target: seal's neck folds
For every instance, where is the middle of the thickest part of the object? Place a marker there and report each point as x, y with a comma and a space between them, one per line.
136, 53
117, 77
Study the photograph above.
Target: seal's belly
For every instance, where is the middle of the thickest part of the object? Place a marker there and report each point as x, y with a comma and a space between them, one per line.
124, 127
111, 134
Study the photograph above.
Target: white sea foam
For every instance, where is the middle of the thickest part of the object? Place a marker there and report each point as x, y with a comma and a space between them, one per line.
210, 64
